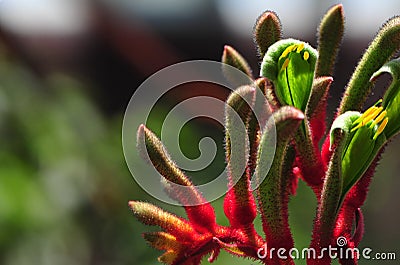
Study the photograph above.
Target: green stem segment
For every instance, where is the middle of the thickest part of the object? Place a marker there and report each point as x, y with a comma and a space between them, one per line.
330, 199
272, 181
382, 48
330, 36
267, 31
239, 204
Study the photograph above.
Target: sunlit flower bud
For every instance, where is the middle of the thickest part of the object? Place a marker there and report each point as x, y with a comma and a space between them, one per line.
364, 139
290, 65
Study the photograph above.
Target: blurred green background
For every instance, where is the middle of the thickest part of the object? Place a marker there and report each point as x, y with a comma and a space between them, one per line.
67, 72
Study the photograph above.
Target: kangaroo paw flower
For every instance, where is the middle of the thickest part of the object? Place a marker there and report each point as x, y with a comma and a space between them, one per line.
273, 128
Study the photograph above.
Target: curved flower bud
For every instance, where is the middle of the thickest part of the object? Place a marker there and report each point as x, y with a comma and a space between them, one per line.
391, 99
272, 191
233, 58
364, 139
290, 65
202, 214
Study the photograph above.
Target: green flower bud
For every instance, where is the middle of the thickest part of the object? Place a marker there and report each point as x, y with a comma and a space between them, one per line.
290, 65
368, 132
363, 140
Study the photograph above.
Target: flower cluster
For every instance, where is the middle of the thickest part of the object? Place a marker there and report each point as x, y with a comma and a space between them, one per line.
294, 79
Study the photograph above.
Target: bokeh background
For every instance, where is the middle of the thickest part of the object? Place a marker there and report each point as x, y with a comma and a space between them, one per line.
67, 71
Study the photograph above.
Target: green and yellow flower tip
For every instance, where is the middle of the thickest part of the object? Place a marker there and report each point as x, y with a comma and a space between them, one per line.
375, 117
391, 99
365, 136
290, 65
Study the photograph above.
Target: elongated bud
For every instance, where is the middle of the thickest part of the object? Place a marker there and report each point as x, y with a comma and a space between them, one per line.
152, 215
180, 188
162, 241
150, 147
382, 48
168, 257
290, 65
237, 113
331, 192
267, 31
149, 144
233, 58
270, 192
239, 203
316, 107
318, 97
330, 36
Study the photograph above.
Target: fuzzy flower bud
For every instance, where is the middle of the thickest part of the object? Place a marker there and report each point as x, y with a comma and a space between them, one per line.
290, 65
